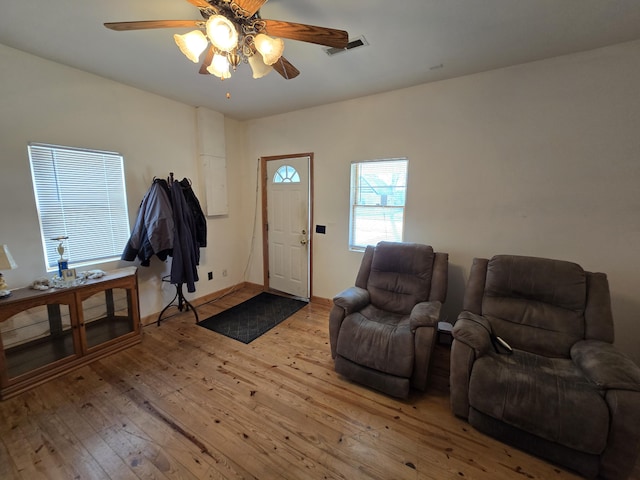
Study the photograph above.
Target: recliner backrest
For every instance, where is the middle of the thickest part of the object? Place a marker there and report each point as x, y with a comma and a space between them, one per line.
399, 276
538, 304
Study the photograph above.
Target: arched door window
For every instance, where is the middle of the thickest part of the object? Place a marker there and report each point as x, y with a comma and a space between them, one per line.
286, 174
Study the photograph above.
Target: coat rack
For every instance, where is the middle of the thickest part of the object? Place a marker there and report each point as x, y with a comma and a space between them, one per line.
182, 302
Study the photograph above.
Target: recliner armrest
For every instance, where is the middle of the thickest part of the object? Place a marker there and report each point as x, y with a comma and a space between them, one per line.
352, 299
606, 366
424, 314
473, 330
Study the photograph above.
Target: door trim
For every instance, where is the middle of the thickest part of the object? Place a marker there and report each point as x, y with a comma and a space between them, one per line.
265, 232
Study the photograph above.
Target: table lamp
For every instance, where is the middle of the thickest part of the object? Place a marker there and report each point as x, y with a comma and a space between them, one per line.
6, 263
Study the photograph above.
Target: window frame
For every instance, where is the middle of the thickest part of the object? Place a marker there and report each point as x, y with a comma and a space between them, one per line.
63, 209
356, 191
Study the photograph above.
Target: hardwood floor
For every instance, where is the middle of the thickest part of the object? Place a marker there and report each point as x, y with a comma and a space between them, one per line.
189, 403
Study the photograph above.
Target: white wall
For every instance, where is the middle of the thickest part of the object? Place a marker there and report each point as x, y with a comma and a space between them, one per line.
42, 101
539, 159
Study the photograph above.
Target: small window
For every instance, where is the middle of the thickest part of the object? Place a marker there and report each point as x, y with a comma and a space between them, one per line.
80, 194
378, 195
286, 174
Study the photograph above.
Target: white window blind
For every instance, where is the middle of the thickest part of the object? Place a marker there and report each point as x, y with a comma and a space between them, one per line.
378, 195
80, 194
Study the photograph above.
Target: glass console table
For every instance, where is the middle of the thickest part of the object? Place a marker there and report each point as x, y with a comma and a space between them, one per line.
44, 334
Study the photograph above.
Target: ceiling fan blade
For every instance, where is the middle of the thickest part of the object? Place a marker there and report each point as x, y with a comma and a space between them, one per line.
329, 37
146, 24
206, 62
250, 6
199, 3
284, 68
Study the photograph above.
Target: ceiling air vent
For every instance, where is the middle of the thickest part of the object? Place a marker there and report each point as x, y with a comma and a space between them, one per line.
358, 42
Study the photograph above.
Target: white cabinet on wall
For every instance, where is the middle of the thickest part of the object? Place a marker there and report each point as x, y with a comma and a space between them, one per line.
213, 160
215, 172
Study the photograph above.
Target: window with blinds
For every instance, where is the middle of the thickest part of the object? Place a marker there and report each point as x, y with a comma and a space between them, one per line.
378, 195
80, 194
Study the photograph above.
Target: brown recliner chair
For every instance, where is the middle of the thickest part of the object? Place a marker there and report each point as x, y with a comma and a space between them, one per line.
563, 393
383, 329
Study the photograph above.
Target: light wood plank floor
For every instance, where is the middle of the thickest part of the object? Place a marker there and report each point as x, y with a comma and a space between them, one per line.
188, 403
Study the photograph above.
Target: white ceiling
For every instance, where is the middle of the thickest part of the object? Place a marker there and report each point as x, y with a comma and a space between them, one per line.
410, 42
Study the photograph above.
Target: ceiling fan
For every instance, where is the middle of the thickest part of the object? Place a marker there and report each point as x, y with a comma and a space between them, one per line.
236, 33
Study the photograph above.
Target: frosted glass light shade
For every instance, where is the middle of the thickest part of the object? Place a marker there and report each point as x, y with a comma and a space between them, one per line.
222, 33
270, 48
6, 260
192, 44
258, 67
219, 66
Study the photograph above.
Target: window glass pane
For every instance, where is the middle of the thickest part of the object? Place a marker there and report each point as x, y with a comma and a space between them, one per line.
378, 195
375, 224
80, 194
286, 174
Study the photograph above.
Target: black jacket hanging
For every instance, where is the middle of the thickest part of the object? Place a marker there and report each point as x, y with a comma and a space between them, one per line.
186, 253
198, 216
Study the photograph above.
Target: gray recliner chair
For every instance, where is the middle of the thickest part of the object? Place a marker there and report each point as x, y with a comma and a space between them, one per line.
383, 330
563, 392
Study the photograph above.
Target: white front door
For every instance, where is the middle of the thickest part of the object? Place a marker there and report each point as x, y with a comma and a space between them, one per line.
288, 225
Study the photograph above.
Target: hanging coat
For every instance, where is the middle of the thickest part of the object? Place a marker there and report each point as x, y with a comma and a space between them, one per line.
186, 254
154, 228
198, 215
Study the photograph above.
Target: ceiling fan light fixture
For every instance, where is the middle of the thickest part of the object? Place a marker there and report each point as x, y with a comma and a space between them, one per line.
192, 44
219, 66
222, 33
237, 31
258, 67
270, 48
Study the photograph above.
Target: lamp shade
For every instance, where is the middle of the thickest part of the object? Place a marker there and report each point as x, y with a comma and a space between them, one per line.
219, 66
222, 33
270, 48
6, 260
192, 44
258, 67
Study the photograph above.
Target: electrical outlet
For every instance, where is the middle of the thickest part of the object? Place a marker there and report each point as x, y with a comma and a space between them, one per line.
210, 275
224, 273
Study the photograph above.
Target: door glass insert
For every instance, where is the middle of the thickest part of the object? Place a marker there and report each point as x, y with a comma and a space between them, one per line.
286, 174
36, 337
107, 315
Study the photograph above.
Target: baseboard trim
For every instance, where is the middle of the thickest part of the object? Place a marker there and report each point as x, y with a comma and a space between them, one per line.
321, 301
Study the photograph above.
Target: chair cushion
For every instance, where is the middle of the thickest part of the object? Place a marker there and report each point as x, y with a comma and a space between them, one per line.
400, 276
537, 304
379, 340
548, 397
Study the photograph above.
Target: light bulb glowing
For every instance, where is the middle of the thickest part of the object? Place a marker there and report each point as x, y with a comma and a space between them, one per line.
222, 33
192, 44
219, 66
270, 48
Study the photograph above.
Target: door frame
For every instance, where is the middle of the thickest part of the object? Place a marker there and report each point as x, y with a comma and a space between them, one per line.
265, 217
